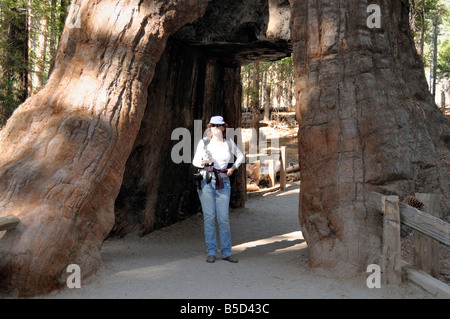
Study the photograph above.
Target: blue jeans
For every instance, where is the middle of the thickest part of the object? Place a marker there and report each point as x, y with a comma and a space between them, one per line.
215, 203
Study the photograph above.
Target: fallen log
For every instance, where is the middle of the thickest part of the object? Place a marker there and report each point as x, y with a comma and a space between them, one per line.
252, 188
290, 169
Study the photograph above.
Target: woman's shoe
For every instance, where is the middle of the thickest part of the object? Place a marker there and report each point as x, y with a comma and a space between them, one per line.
231, 259
210, 258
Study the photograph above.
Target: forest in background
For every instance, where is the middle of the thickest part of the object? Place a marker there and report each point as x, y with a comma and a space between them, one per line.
269, 85
29, 37
30, 31
430, 23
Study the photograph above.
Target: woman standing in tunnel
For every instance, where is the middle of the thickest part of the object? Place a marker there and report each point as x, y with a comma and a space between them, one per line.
213, 155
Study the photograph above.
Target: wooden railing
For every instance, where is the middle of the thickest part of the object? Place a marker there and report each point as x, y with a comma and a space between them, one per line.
429, 231
274, 151
272, 173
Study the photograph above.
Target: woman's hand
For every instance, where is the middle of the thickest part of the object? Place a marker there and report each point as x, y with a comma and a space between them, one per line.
231, 170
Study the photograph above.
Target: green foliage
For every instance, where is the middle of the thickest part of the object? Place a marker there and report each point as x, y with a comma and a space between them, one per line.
443, 64
423, 21
275, 79
13, 61
29, 36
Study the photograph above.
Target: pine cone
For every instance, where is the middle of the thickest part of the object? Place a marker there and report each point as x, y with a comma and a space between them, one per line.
414, 202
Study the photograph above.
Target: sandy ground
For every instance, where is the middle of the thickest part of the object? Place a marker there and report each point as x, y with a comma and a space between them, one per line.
273, 262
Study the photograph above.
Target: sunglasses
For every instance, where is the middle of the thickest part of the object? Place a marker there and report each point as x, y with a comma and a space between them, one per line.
216, 125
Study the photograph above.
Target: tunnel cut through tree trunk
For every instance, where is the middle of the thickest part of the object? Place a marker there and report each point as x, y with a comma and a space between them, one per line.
187, 86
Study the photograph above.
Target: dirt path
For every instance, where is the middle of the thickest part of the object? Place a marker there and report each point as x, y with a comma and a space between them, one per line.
170, 263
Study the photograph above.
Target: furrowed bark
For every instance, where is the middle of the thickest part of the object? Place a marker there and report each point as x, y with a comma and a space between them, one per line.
64, 150
366, 122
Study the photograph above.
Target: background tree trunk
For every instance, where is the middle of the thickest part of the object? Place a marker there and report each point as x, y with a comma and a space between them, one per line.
422, 30
255, 100
366, 122
64, 150
41, 52
265, 90
435, 52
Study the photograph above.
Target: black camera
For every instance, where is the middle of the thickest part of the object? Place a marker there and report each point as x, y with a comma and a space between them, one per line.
198, 177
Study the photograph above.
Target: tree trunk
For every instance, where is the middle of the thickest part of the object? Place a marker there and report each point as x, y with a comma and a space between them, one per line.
422, 30
267, 104
64, 150
25, 55
53, 30
435, 53
232, 92
248, 104
41, 52
366, 122
291, 91
255, 100
443, 101
265, 90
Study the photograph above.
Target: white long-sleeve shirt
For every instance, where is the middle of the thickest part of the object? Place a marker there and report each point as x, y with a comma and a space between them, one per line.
222, 154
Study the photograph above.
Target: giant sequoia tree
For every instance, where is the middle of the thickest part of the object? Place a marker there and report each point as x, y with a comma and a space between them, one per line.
64, 150
366, 122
